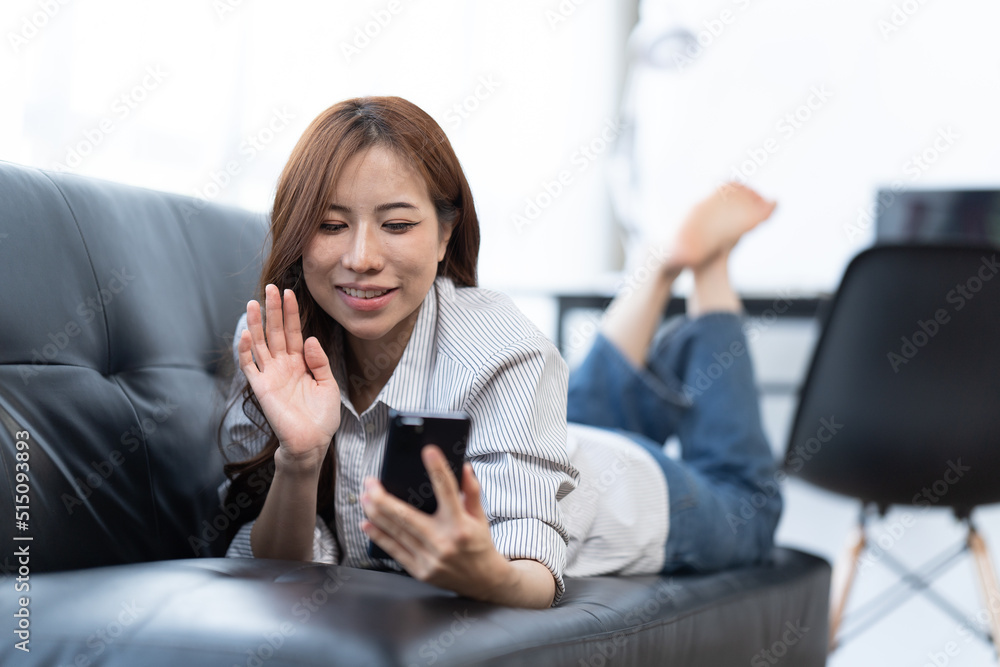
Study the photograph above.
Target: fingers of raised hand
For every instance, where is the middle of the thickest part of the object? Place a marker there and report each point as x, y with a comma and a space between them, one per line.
275, 322
247, 364
284, 328
293, 325
258, 343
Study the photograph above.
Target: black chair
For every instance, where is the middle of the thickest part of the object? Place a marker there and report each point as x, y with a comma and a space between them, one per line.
901, 406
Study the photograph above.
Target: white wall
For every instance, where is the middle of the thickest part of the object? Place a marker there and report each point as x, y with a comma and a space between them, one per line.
887, 80
208, 97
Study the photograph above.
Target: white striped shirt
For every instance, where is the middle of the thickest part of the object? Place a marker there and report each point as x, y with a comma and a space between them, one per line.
581, 501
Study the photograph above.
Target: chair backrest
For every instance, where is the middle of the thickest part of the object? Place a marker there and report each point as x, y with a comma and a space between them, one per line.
119, 307
901, 404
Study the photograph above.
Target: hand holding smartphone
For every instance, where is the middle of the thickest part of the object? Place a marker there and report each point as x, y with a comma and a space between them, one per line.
403, 473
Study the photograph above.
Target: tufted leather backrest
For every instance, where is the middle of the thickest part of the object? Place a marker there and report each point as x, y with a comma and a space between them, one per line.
119, 306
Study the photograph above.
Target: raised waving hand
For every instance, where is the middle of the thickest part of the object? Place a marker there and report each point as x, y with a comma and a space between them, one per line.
292, 380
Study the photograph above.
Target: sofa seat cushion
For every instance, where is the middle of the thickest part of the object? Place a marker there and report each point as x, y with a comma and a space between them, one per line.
202, 612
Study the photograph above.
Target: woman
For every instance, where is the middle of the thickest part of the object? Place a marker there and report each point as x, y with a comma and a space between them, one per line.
371, 304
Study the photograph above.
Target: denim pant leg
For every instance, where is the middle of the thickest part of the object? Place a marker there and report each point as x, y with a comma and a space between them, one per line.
607, 391
698, 383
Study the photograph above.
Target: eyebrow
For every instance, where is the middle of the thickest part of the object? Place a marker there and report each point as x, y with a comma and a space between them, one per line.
381, 208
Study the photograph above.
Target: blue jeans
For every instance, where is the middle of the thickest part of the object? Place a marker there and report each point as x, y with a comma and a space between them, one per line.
698, 383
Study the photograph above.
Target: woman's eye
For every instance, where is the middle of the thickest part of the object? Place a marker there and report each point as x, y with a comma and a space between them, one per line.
399, 226
332, 226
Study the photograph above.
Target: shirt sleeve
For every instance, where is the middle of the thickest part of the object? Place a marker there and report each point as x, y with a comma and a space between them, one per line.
517, 447
325, 549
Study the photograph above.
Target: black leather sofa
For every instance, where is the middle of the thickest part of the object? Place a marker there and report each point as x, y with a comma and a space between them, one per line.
119, 306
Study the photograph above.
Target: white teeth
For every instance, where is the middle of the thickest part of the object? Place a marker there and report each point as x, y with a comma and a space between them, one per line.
362, 294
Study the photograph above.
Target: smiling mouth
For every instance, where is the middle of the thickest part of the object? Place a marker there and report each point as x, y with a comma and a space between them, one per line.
363, 294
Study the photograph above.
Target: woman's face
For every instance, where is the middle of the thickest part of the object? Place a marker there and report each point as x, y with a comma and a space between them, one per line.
375, 255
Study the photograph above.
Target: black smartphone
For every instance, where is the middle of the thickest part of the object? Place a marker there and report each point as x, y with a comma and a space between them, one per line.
403, 472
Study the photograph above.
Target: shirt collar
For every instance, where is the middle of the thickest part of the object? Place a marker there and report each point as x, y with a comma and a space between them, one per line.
406, 389
339, 366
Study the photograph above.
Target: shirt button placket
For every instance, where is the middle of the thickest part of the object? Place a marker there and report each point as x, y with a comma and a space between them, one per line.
356, 513
368, 433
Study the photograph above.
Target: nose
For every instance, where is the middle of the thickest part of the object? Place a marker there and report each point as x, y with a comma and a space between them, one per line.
364, 254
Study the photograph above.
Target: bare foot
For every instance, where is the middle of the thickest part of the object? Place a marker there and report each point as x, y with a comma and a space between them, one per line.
716, 224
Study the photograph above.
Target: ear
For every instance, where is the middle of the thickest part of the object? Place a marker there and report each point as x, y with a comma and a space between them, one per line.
444, 235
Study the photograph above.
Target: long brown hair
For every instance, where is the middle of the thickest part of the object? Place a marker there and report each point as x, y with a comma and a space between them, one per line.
304, 191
